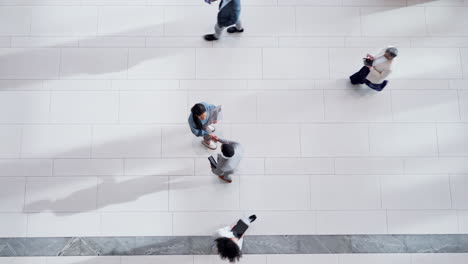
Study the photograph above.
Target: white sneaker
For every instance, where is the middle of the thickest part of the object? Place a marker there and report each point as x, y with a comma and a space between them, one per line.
210, 144
210, 129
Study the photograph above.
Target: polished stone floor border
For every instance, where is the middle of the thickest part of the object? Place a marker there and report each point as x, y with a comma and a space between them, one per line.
202, 245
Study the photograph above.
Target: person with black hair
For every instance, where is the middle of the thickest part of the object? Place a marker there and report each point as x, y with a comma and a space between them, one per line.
228, 244
201, 120
228, 160
228, 15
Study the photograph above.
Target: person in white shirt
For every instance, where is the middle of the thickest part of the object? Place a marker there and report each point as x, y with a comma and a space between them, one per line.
376, 69
227, 244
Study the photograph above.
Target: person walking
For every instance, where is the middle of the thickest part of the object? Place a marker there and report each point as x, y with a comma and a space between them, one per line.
228, 15
228, 160
376, 68
201, 120
229, 240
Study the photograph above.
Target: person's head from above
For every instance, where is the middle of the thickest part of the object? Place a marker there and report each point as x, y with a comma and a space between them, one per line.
228, 249
227, 150
198, 114
391, 53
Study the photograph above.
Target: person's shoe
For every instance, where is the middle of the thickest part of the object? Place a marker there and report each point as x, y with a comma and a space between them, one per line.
383, 85
252, 218
211, 128
234, 30
210, 37
224, 179
210, 144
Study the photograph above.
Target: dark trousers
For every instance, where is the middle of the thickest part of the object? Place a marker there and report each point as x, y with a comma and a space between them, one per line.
360, 77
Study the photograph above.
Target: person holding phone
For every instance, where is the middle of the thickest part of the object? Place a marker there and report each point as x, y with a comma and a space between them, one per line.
201, 120
376, 68
228, 160
228, 15
229, 240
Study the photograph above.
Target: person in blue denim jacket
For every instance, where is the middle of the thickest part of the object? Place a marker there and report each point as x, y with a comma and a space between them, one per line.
201, 120
228, 15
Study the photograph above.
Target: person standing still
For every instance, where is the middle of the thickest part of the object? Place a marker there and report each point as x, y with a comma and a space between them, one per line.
376, 68
201, 120
228, 15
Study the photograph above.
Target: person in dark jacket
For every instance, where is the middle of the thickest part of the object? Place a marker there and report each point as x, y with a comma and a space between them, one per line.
228, 15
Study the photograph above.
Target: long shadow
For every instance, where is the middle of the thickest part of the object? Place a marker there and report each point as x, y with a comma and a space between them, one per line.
122, 64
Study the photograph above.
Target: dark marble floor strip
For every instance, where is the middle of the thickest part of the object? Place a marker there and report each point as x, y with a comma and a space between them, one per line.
201, 245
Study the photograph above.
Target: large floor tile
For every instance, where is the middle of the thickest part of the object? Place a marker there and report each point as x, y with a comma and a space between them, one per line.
189, 20
136, 224
441, 165
176, 166
299, 166
275, 193
439, 258
351, 222
464, 58
328, 21
101, 107
334, 140
25, 167
248, 166
56, 141
375, 258
94, 63
10, 140
248, 259
87, 260
64, 21
136, 193
360, 106
12, 194
434, 63
24, 106
88, 167
245, 63
237, 106
13, 224
15, 21
256, 140
203, 223
463, 100
459, 183
152, 106
126, 141
61, 194
345, 62
203, 194
463, 221
63, 224
403, 139
283, 223
157, 259
29, 64
390, 26
374, 166
452, 139
422, 222
295, 63
268, 21
420, 106
439, 21
339, 192
120, 20
302, 106
416, 192
303, 259
161, 63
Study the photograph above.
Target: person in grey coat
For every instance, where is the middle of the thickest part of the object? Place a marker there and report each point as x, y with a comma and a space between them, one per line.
228, 15
228, 160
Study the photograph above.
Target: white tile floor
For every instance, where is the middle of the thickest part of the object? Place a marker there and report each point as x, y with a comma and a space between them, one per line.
94, 97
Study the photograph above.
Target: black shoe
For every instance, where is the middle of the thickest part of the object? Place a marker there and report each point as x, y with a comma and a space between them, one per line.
234, 30
210, 37
252, 218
